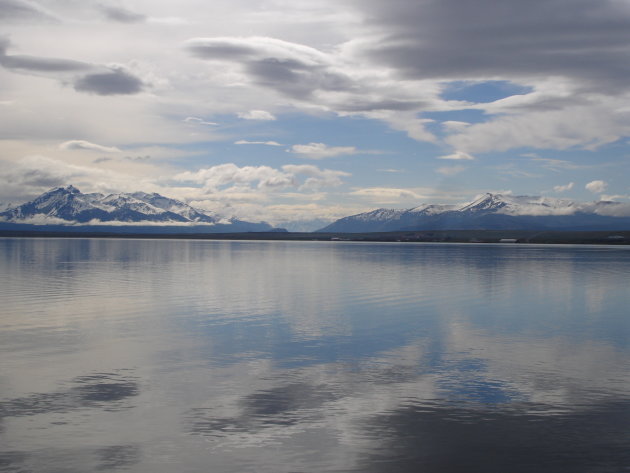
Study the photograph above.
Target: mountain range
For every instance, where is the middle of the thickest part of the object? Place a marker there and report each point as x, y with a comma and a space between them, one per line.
492, 212
69, 206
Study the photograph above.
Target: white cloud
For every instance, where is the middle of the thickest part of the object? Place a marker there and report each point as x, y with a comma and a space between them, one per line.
267, 143
413, 195
86, 145
254, 47
229, 174
199, 121
32, 175
225, 176
596, 186
583, 125
618, 210
388, 195
321, 150
453, 126
563, 188
615, 197
458, 156
256, 115
407, 122
315, 178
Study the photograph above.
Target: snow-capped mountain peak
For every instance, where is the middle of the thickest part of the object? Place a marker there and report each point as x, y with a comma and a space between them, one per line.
431, 209
486, 202
492, 211
69, 205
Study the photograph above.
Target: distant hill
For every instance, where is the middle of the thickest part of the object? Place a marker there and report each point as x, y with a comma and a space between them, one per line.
492, 212
67, 207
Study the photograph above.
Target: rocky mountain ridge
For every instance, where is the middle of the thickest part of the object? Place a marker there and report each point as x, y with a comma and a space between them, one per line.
68, 205
492, 212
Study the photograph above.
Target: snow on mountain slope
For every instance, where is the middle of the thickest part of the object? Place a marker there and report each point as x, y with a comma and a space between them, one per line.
68, 204
379, 215
492, 211
431, 209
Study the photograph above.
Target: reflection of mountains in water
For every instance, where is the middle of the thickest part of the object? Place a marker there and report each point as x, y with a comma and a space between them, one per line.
493, 212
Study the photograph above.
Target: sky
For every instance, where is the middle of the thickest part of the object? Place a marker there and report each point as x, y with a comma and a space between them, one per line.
300, 111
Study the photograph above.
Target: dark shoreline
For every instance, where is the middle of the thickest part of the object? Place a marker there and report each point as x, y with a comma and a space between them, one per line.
599, 237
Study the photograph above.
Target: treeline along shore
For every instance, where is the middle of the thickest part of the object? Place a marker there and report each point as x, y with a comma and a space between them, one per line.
453, 236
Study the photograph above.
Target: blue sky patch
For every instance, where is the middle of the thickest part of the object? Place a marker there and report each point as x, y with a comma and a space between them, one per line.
483, 92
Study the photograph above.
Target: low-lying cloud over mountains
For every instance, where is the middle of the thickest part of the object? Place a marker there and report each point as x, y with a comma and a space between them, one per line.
67, 205
492, 212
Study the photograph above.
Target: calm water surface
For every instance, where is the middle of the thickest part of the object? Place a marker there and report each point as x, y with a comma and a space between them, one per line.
218, 356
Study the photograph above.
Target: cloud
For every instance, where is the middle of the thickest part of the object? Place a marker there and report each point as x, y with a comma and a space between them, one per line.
454, 126
577, 82
34, 64
16, 10
587, 126
424, 39
40, 172
267, 143
30, 176
556, 164
512, 169
85, 77
316, 177
388, 195
291, 69
116, 81
229, 174
321, 150
121, 15
458, 156
333, 81
229, 177
596, 186
413, 195
255, 48
617, 210
450, 170
86, 145
358, 104
256, 115
564, 188
407, 122
616, 197
199, 121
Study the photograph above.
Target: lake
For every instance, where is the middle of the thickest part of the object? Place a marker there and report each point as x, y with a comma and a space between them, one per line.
251, 356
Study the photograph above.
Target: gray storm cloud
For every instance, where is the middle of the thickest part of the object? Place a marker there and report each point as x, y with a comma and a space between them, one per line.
581, 39
291, 69
121, 15
34, 64
84, 77
114, 82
